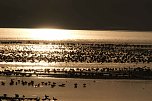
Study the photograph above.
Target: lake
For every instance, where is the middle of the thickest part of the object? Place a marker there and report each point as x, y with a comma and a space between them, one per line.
62, 34
75, 89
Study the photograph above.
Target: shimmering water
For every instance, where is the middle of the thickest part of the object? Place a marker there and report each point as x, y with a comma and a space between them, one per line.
95, 90
55, 34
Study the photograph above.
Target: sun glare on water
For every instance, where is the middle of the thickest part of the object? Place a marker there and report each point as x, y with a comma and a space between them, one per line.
64, 34
50, 34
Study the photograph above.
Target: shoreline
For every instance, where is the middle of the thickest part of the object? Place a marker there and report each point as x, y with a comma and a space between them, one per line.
81, 41
74, 65
84, 73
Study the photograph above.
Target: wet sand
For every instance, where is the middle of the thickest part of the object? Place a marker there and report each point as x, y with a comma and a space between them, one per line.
95, 90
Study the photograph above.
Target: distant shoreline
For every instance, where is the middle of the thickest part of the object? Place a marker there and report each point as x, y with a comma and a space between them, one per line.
73, 65
94, 41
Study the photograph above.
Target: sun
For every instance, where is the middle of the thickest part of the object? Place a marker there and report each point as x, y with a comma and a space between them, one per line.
50, 34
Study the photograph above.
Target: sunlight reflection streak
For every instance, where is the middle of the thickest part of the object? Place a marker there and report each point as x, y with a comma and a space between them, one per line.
50, 34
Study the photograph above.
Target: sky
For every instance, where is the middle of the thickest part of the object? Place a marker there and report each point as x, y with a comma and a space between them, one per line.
77, 14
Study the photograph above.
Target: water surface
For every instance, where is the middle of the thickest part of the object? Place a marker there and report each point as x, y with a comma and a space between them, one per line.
95, 90
58, 34
98, 90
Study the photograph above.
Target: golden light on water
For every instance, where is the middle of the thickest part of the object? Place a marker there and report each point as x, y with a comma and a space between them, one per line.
64, 34
50, 34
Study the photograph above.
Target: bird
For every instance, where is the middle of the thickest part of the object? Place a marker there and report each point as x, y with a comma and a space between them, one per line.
62, 85
84, 85
54, 83
2, 83
54, 99
75, 85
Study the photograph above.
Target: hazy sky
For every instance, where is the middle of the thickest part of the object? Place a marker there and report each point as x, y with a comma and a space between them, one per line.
77, 14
